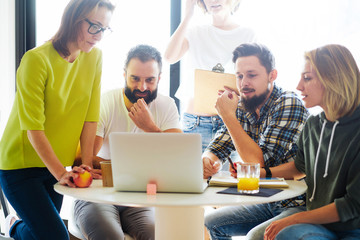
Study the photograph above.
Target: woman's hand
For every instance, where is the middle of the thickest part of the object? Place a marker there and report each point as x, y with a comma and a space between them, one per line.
95, 173
189, 8
68, 177
322, 215
275, 227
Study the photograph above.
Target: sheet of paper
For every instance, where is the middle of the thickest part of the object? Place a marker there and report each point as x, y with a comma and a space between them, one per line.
207, 85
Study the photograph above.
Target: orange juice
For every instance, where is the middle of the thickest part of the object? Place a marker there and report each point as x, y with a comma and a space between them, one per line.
248, 175
248, 185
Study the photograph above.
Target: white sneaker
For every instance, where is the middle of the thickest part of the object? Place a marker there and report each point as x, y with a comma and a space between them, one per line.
7, 223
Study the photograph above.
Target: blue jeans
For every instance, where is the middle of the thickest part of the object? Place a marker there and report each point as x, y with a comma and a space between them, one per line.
315, 232
252, 221
207, 126
31, 193
226, 222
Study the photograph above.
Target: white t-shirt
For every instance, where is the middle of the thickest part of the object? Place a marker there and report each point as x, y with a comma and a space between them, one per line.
114, 117
209, 46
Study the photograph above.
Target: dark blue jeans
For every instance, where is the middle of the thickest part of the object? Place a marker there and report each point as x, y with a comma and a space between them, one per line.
226, 222
31, 193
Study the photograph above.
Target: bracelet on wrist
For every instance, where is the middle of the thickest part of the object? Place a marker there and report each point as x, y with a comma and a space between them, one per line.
268, 172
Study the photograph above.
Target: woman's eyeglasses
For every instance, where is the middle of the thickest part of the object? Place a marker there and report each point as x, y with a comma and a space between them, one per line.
95, 28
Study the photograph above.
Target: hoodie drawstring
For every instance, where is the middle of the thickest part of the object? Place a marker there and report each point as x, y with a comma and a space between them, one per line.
327, 158
316, 160
329, 150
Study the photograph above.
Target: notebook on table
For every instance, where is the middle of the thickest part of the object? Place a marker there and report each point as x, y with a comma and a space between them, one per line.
224, 179
172, 161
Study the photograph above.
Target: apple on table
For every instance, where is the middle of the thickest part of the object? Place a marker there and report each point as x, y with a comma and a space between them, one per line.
83, 180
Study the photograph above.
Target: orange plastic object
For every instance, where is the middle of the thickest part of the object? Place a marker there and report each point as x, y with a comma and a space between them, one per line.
151, 189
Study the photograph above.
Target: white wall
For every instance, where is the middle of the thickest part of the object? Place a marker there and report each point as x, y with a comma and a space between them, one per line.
7, 60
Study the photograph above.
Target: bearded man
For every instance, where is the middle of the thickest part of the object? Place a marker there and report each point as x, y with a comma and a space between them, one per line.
262, 124
135, 108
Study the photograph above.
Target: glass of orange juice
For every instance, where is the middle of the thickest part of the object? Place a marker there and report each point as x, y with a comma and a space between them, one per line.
248, 175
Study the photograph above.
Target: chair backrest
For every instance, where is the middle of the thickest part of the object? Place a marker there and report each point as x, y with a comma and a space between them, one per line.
4, 204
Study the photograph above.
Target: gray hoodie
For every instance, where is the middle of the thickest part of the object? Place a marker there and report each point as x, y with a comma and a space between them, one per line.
329, 155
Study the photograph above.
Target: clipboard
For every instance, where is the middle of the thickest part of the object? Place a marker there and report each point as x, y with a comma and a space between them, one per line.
206, 87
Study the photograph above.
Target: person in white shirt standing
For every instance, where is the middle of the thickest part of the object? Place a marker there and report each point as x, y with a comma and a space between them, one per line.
206, 46
135, 108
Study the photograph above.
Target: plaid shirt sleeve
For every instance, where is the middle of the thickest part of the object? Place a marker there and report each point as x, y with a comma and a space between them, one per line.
278, 140
284, 124
221, 145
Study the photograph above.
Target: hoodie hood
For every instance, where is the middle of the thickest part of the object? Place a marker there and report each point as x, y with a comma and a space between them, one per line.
355, 116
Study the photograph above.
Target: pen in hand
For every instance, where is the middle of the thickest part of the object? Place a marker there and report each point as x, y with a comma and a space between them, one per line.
232, 164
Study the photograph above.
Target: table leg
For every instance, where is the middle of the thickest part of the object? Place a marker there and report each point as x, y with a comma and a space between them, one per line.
179, 223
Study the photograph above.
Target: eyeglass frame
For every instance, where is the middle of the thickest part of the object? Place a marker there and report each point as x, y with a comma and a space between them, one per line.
101, 29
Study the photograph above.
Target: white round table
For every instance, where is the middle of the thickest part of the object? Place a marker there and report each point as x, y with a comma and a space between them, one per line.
177, 215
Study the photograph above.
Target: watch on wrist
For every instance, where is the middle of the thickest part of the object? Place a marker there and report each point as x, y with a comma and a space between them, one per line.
268, 172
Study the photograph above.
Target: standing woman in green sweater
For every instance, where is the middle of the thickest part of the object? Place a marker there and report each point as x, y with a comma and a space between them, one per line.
56, 106
329, 152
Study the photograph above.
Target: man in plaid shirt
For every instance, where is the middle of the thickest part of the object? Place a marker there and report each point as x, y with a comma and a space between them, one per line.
262, 125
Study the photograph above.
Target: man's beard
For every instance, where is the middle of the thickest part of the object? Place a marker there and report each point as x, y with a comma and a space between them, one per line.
251, 104
131, 95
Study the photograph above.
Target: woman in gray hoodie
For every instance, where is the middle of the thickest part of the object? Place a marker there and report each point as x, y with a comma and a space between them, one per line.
329, 152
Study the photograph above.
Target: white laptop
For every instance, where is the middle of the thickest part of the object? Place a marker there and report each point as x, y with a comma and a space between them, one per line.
170, 160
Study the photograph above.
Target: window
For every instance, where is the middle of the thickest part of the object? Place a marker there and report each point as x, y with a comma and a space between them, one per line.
7, 61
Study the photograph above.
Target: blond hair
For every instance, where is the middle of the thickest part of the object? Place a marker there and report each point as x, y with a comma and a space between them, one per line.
234, 5
75, 12
337, 70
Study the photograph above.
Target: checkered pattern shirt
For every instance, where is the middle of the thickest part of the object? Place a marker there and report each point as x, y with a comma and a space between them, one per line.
281, 120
